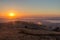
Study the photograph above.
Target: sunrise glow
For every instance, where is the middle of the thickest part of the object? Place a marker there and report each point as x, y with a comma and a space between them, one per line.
32, 8
11, 14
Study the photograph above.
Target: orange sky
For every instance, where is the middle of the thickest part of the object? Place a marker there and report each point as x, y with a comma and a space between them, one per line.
30, 8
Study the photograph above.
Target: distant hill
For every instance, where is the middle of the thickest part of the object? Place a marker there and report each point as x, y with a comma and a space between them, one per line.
53, 18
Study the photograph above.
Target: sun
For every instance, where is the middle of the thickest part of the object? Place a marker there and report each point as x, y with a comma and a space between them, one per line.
11, 14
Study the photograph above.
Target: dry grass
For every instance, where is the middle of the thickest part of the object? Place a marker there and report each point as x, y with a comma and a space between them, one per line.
26, 34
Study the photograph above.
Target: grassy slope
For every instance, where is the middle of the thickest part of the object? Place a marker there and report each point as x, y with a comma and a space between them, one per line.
13, 33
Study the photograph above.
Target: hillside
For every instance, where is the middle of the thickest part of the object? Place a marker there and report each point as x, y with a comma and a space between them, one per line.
19, 30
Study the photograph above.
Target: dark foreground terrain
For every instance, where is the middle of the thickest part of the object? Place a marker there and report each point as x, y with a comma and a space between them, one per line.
19, 30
